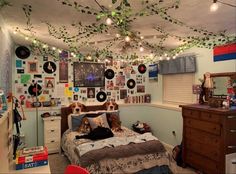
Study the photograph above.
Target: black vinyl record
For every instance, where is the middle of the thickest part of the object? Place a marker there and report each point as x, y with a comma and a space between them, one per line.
22, 52
109, 74
131, 83
35, 89
101, 96
142, 68
49, 67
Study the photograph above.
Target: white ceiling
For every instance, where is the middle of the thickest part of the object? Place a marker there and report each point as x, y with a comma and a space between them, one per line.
194, 13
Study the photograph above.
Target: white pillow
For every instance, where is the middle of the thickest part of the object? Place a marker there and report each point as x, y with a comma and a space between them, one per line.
69, 120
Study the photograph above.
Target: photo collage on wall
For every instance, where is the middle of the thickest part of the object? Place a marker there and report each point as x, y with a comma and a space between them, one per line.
67, 80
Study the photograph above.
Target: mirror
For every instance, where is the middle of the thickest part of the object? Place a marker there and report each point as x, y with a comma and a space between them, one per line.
221, 83
220, 86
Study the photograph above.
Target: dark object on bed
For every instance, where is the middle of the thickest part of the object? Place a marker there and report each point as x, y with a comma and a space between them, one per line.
97, 134
164, 169
141, 127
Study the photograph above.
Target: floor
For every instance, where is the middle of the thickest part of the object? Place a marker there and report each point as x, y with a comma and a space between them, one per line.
59, 162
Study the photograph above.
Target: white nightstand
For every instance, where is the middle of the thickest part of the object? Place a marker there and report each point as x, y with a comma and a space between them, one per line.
52, 134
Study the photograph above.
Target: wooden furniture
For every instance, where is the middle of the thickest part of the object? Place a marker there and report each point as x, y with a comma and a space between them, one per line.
52, 134
6, 143
209, 134
39, 170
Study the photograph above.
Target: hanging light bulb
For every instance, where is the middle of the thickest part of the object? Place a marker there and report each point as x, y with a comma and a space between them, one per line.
214, 6
117, 35
141, 49
108, 21
127, 39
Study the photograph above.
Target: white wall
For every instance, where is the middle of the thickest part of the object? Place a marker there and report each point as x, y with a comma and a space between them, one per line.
164, 121
5, 57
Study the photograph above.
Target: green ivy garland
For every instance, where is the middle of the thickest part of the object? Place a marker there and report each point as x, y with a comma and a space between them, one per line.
4, 3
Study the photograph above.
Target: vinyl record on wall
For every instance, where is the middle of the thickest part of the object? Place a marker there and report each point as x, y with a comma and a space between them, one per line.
35, 89
101, 96
49, 67
109, 74
142, 68
131, 83
22, 52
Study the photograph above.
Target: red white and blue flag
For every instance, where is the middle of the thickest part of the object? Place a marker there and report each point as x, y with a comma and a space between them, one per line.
225, 52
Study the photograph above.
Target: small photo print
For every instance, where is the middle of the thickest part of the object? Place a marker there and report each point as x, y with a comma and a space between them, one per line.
33, 67
140, 88
120, 80
110, 85
49, 82
91, 93
123, 93
76, 97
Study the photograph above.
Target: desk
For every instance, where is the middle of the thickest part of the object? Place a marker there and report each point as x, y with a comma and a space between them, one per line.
36, 170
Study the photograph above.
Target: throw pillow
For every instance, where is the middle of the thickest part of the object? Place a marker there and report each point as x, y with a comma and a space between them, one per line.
100, 120
76, 121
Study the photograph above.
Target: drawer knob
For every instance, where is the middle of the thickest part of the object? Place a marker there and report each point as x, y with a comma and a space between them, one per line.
233, 130
52, 141
231, 116
52, 130
52, 120
231, 147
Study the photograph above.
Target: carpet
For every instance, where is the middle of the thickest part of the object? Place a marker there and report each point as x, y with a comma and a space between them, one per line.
58, 163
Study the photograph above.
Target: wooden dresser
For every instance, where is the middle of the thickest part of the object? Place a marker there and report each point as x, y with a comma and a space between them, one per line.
209, 134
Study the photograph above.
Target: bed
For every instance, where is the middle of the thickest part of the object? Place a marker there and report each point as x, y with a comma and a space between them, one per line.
125, 152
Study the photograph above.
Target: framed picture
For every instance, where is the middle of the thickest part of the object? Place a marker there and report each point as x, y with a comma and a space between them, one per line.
32, 66
120, 80
123, 93
49, 82
91, 93
63, 72
153, 72
140, 88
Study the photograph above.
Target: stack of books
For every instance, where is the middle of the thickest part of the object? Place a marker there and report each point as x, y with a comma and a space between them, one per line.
31, 157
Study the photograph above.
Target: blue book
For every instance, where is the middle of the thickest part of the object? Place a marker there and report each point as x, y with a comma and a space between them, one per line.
31, 164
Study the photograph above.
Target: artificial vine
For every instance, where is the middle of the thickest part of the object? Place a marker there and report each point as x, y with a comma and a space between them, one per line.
4, 3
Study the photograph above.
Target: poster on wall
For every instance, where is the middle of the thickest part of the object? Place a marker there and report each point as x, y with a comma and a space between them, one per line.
63, 72
91, 93
153, 72
123, 93
49, 82
89, 74
120, 81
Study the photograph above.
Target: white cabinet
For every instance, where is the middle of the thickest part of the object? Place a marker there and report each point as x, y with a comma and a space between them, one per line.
52, 134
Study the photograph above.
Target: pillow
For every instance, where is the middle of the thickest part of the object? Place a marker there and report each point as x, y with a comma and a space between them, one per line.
114, 121
76, 121
100, 120
113, 114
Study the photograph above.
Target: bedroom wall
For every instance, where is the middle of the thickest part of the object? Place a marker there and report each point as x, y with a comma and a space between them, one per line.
165, 120
6, 45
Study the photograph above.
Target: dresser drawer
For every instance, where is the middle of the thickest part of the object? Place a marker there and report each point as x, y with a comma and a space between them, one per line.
210, 117
51, 133
212, 141
52, 123
202, 125
53, 146
203, 164
203, 149
191, 113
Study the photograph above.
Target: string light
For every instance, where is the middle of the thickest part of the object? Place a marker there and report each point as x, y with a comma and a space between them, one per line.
141, 49
127, 38
108, 21
53, 48
14, 32
34, 41
26, 38
117, 35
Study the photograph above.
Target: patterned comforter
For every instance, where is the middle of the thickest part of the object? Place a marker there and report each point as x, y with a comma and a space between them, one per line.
134, 152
